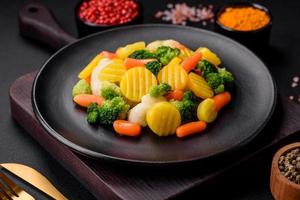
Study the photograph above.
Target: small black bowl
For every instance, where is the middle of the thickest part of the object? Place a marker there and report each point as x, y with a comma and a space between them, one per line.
85, 28
254, 39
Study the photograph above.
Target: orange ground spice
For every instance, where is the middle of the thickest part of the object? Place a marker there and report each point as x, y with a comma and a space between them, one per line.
244, 18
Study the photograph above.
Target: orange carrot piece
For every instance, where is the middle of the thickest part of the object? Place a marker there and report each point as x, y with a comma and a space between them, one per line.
222, 100
85, 100
127, 128
191, 62
190, 128
108, 55
176, 94
131, 62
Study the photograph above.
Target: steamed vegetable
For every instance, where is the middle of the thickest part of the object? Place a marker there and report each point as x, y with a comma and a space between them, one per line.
226, 76
165, 54
112, 110
206, 68
154, 67
207, 110
190, 63
142, 54
110, 91
163, 119
175, 94
187, 107
124, 52
112, 72
209, 56
87, 71
127, 128
174, 75
108, 55
190, 129
136, 83
81, 87
93, 113
199, 86
222, 100
159, 90
131, 62
215, 81
85, 100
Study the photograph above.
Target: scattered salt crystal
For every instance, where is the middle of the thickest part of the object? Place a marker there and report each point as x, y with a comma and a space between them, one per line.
291, 98
294, 84
181, 13
296, 79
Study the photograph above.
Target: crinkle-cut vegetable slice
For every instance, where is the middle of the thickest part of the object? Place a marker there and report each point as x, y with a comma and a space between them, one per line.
207, 110
199, 86
185, 53
87, 71
136, 83
163, 119
124, 52
209, 56
174, 75
113, 72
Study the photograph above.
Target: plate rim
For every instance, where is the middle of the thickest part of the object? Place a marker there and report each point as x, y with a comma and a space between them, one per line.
98, 155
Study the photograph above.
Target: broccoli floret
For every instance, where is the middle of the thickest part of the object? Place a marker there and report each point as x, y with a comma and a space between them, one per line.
159, 90
113, 109
187, 109
226, 75
154, 67
215, 81
219, 89
92, 113
110, 91
165, 54
142, 54
206, 68
81, 87
189, 95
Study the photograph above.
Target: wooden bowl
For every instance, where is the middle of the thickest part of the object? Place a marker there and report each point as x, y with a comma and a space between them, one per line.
281, 187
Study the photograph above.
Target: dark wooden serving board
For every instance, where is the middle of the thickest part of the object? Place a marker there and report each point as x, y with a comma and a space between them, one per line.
115, 181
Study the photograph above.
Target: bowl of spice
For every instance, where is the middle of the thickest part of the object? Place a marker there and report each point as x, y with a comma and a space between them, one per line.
98, 15
248, 23
285, 173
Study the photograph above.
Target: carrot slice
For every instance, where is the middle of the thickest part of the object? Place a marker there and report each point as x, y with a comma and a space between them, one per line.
176, 94
108, 55
222, 100
190, 128
127, 128
190, 63
85, 100
131, 62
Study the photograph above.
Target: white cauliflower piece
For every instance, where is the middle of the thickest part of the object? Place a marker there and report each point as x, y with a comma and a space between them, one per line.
138, 113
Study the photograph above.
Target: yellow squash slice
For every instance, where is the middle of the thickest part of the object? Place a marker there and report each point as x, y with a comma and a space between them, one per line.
163, 119
199, 86
174, 75
136, 83
207, 110
113, 72
209, 56
124, 52
87, 71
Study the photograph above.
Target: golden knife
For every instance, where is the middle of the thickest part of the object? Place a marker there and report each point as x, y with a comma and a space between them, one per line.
34, 178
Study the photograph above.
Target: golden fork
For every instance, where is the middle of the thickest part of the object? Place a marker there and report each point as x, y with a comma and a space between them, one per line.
10, 191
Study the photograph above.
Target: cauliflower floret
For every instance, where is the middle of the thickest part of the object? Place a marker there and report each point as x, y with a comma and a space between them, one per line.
138, 113
95, 82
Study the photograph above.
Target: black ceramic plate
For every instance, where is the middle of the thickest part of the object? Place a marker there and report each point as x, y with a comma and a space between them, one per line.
251, 108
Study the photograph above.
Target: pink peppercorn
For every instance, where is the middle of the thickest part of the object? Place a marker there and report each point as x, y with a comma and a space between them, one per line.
108, 12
